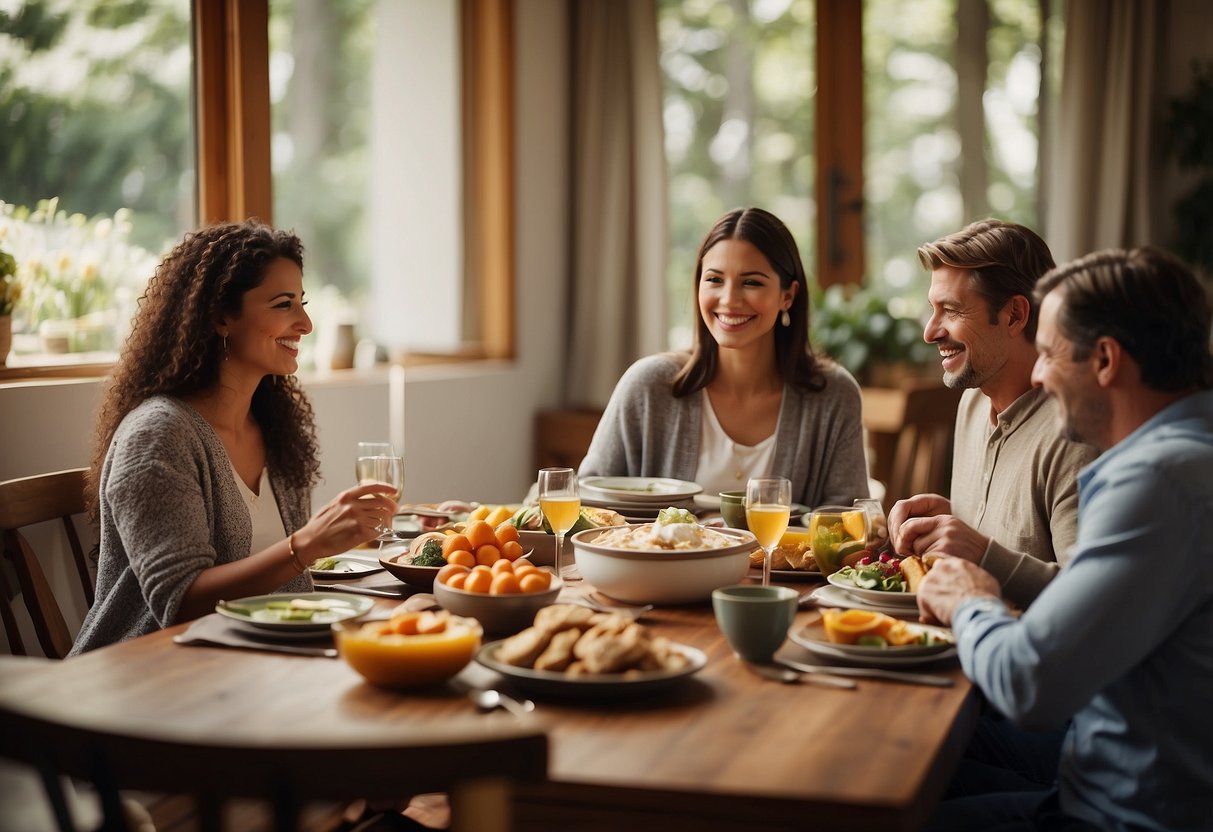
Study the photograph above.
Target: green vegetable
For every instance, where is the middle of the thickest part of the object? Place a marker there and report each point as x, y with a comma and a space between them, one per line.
530, 518
671, 515
430, 555
872, 641
324, 564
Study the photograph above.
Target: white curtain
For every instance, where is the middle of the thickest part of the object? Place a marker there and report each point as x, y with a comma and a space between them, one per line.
1105, 156
618, 211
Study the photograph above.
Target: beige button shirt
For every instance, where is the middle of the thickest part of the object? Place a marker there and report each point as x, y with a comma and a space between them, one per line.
1015, 481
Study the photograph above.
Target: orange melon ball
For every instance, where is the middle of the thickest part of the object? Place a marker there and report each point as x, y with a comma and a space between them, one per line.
479, 581
454, 543
449, 570
480, 533
462, 557
501, 566
511, 550
535, 580
487, 554
504, 584
457, 580
522, 566
506, 532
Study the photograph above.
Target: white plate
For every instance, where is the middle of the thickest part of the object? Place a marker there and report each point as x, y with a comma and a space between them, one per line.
638, 489
832, 596
625, 507
875, 596
347, 567
812, 638
246, 610
600, 685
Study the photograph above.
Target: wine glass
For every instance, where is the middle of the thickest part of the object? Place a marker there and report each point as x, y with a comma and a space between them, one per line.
377, 463
560, 502
768, 504
878, 524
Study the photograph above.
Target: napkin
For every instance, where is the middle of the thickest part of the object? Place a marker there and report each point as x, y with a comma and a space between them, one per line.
216, 631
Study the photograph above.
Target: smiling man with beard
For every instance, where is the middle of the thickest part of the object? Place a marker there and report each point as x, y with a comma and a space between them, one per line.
1014, 503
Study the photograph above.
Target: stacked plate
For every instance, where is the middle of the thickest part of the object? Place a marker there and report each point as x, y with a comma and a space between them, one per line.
638, 499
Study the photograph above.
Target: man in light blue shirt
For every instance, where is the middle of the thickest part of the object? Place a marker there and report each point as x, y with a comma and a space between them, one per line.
1122, 640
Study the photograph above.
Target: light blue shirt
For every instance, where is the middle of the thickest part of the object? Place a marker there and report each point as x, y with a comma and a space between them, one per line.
1122, 639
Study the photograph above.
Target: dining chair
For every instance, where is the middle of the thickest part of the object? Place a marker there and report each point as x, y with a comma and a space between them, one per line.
26, 502
910, 428
475, 762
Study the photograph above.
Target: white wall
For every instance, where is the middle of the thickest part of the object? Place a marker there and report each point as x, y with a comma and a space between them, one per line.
468, 428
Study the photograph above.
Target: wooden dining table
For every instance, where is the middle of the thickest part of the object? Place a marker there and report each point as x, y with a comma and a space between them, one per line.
722, 749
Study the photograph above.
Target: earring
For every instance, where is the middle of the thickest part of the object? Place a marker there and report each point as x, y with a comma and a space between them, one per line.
225, 348
785, 318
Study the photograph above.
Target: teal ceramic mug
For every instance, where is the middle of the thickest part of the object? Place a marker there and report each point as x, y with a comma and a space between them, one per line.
732, 509
755, 619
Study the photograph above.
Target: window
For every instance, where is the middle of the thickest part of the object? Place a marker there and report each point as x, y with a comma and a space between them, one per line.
940, 148
739, 86
358, 86
96, 166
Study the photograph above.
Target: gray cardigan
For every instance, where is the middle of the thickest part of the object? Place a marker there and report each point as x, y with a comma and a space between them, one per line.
170, 508
647, 432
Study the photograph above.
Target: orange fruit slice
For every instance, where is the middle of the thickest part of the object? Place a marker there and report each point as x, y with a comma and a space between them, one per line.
853, 524
848, 626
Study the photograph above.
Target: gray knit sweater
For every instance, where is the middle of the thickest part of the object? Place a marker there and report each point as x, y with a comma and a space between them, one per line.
170, 508
647, 432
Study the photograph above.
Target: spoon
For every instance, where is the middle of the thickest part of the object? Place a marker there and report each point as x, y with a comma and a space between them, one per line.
489, 698
788, 676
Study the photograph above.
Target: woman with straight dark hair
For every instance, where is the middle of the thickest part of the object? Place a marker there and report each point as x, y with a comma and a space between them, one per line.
750, 399
205, 451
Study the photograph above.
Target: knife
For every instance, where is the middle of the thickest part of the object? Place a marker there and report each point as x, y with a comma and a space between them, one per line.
360, 590
871, 673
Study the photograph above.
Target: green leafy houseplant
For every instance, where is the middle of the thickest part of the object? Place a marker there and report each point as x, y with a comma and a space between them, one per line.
876, 338
1190, 140
10, 288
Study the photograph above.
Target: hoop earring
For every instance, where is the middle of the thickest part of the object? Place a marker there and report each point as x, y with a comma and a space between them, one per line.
785, 318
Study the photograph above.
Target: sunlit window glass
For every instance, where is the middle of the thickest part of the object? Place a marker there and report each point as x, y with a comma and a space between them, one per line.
96, 163
739, 83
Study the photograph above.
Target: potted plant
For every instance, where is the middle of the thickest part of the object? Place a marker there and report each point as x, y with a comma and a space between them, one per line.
877, 338
10, 293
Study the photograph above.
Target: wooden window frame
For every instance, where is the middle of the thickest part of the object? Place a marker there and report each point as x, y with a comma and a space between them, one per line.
235, 177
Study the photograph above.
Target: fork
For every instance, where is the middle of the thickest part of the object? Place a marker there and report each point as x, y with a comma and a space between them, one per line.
635, 612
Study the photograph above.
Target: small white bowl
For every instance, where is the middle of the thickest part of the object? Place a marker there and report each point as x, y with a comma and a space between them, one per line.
497, 614
662, 576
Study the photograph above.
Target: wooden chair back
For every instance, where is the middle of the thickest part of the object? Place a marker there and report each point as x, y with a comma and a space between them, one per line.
474, 764
26, 502
563, 436
910, 429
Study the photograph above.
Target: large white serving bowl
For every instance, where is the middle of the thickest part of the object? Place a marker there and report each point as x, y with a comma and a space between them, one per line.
662, 576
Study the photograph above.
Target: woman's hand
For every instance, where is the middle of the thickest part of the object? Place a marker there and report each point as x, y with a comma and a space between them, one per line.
352, 517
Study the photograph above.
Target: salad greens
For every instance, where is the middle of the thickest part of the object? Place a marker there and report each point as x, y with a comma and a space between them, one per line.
883, 574
671, 515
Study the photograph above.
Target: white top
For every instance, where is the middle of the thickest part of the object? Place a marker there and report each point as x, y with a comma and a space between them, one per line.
725, 465
263, 511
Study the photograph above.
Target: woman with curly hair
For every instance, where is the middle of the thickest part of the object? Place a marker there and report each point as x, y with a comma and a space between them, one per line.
751, 399
205, 451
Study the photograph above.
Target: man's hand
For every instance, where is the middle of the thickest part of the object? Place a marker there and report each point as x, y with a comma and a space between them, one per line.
949, 582
920, 505
942, 534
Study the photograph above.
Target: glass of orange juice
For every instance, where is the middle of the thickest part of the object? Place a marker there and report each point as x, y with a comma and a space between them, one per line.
768, 504
560, 502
